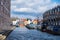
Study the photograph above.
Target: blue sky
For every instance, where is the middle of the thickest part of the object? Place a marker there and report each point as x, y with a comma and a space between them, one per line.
31, 8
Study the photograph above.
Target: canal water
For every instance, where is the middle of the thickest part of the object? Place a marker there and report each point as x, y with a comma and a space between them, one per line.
25, 34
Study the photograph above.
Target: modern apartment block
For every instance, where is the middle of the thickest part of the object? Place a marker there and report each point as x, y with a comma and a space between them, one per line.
52, 18
4, 14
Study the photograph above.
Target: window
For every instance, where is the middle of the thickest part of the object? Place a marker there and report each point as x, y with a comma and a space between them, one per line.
53, 23
56, 23
58, 9
1, 3
54, 11
59, 22
50, 12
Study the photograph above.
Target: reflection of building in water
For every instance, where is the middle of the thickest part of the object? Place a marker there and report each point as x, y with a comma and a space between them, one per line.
4, 14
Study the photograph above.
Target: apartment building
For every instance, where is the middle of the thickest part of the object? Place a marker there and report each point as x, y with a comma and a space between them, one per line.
52, 18
5, 14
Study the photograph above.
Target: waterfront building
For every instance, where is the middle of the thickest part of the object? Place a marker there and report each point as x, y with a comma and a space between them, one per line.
5, 14
52, 17
35, 21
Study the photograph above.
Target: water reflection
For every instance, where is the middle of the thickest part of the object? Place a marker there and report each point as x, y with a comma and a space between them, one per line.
25, 34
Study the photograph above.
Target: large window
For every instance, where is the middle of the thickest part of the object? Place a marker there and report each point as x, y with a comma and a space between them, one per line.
56, 10
59, 9
50, 11
53, 11
1, 3
59, 22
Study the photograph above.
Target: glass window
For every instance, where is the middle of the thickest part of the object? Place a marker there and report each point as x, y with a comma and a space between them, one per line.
1, 8
59, 22
56, 23
55, 10
1, 3
58, 9
50, 11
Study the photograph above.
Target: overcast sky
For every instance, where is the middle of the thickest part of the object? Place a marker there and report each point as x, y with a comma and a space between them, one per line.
31, 8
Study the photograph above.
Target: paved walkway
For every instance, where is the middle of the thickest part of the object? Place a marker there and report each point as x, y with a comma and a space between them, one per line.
2, 37
5, 34
25, 34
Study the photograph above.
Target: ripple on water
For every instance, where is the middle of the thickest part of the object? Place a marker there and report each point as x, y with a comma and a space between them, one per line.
25, 34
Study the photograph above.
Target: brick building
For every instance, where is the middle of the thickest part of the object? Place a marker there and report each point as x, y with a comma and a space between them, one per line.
5, 14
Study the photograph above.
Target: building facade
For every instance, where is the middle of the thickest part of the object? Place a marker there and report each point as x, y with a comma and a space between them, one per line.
52, 17
4, 14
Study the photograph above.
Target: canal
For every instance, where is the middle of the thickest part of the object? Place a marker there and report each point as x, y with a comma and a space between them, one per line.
22, 33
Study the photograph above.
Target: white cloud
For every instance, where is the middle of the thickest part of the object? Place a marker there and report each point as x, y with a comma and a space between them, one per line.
32, 5
13, 7
23, 16
37, 6
46, 7
24, 10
